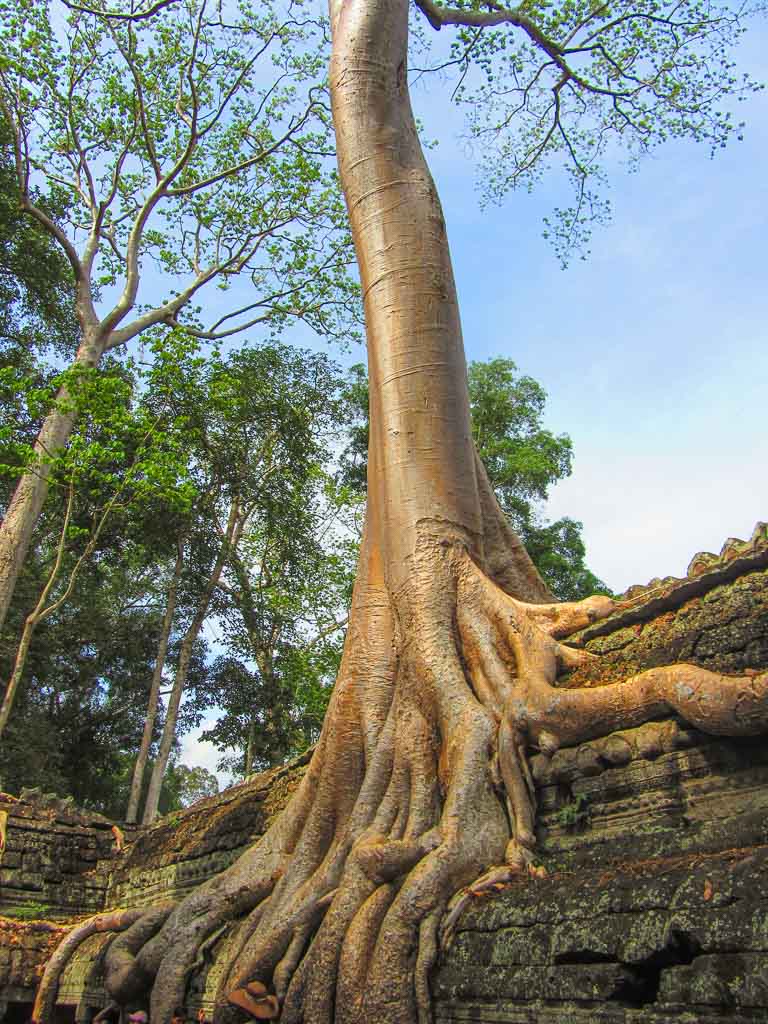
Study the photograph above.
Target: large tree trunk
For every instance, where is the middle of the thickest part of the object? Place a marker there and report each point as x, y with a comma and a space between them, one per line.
419, 781
31, 491
154, 690
424, 482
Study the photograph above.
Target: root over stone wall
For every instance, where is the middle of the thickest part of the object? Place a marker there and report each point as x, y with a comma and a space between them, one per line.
654, 905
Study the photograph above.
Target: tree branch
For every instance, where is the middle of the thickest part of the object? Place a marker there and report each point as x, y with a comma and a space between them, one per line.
162, 314
439, 16
229, 172
22, 174
116, 16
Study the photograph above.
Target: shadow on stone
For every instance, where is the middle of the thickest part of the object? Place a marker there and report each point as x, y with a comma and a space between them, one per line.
641, 986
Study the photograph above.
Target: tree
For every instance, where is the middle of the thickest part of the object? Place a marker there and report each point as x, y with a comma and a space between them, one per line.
291, 585
89, 590
36, 284
521, 458
118, 456
79, 712
153, 701
192, 784
255, 437
420, 781
185, 141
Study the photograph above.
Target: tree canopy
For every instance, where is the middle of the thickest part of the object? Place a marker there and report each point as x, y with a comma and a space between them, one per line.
162, 154
188, 142
572, 85
36, 281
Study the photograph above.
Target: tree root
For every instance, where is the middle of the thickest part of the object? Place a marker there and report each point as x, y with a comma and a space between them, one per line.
420, 782
113, 921
537, 714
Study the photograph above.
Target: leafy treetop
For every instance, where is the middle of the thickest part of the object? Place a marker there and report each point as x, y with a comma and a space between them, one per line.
576, 81
193, 141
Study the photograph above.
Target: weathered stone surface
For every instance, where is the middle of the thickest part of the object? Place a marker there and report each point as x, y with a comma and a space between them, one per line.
656, 840
736, 560
183, 849
655, 908
24, 948
725, 629
659, 939
56, 858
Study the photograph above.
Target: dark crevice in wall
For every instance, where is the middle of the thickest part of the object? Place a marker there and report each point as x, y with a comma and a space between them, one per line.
641, 986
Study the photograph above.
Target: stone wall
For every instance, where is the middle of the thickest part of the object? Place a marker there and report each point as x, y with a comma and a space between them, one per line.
682, 938
183, 849
62, 864
56, 858
655, 841
655, 902
24, 948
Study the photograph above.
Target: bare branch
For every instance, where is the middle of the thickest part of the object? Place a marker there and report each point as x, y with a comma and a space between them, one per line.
116, 15
237, 84
82, 162
250, 162
21, 159
328, 631
164, 314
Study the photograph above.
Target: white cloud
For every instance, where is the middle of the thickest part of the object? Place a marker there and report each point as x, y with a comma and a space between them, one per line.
196, 753
646, 516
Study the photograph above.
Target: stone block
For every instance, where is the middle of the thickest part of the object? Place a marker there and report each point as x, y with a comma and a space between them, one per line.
593, 982
727, 980
29, 881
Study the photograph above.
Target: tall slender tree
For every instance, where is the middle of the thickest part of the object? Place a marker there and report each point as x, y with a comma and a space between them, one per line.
419, 781
188, 142
255, 436
81, 695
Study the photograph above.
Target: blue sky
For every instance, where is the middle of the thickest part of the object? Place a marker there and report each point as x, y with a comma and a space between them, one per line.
654, 352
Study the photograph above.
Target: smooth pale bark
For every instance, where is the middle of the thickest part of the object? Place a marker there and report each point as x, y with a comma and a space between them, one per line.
154, 690
28, 499
229, 539
420, 420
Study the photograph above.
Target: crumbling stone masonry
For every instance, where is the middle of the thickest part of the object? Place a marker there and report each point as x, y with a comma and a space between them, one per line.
654, 907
